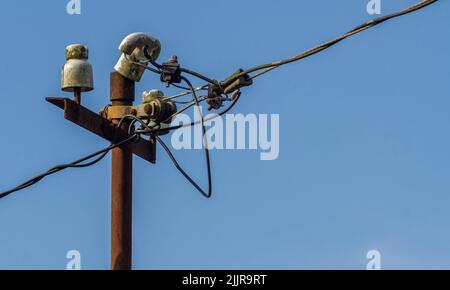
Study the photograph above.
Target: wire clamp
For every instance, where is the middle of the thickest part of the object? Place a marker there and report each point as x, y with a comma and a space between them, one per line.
214, 98
235, 82
170, 71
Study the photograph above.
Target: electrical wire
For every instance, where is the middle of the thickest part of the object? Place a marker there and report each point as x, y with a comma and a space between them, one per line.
271, 66
260, 70
189, 104
182, 69
192, 91
182, 102
181, 87
75, 164
152, 131
181, 170
205, 140
156, 71
173, 159
200, 76
235, 99
188, 92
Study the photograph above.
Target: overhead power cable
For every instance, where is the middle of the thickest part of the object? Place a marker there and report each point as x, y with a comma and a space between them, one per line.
234, 100
76, 164
207, 193
258, 70
273, 65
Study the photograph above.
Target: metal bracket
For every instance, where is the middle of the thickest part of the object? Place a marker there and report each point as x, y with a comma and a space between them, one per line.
117, 112
83, 117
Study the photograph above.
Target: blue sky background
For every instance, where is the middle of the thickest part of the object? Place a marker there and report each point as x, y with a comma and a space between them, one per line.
364, 146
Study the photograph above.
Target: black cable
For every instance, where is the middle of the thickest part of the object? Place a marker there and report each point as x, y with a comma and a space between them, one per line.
192, 91
268, 67
156, 71
185, 70
188, 104
205, 139
172, 157
181, 87
200, 76
75, 164
321, 47
177, 165
104, 152
207, 194
235, 99
150, 59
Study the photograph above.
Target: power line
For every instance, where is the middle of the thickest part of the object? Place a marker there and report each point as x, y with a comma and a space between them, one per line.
205, 140
259, 70
150, 130
234, 100
273, 65
75, 164
208, 193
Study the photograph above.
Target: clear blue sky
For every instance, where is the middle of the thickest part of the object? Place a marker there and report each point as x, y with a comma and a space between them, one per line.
364, 146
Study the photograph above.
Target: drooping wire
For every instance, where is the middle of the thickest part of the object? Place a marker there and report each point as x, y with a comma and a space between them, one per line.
235, 99
205, 140
207, 194
181, 170
76, 164
192, 91
196, 101
271, 66
260, 70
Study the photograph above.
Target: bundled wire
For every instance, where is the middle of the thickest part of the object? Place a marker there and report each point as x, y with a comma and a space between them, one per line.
76, 164
133, 134
234, 100
258, 70
149, 130
205, 140
266, 68
159, 67
273, 65
207, 193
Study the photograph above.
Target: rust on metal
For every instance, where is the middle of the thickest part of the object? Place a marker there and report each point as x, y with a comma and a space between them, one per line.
83, 117
122, 94
123, 91
121, 208
118, 112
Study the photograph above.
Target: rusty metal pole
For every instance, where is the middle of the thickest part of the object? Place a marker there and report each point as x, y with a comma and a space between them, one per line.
122, 92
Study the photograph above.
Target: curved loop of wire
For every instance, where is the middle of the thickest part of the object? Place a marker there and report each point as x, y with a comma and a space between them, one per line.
76, 164
206, 194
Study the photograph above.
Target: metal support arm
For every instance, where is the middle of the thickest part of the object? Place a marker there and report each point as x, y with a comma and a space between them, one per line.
83, 117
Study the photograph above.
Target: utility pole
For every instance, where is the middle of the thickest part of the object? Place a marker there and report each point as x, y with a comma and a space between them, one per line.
122, 91
77, 77
154, 113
